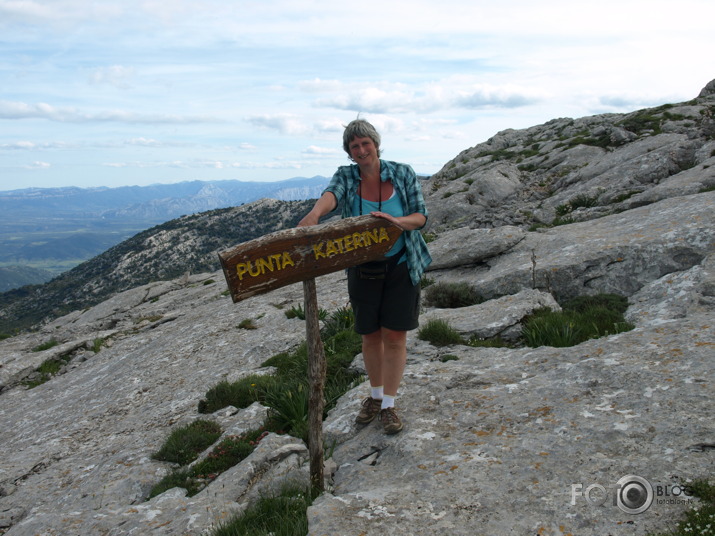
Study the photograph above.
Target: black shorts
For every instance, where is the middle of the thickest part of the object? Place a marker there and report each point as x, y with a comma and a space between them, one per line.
392, 302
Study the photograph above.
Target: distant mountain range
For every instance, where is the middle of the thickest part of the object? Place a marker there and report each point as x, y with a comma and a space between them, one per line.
47, 231
158, 202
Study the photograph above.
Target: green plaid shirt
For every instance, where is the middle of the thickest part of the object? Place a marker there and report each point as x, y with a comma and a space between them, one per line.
344, 186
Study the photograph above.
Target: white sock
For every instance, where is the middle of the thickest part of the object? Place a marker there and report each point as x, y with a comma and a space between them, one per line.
376, 392
388, 402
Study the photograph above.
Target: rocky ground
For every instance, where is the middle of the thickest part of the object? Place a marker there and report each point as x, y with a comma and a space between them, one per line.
498, 441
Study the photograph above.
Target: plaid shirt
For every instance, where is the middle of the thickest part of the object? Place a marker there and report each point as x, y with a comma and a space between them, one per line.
344, 186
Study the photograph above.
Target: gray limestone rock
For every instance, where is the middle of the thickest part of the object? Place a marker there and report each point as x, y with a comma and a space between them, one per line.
469, 246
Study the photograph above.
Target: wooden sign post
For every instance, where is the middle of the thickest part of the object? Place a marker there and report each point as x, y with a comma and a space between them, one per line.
301, 254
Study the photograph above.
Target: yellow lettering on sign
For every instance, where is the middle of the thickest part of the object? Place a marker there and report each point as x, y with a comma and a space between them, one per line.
337, 246
321, 250
318, 250
277, 261
287, 261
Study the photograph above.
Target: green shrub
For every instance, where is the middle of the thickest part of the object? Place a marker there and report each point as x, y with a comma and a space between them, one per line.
439, 333
451, 295
185, 443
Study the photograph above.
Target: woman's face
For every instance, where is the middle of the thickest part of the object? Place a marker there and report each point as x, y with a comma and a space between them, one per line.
362, 150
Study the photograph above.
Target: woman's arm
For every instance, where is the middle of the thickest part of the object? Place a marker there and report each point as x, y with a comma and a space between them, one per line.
325, 204
410, 222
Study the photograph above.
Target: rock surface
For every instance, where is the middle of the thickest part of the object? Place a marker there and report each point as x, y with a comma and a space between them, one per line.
499, 441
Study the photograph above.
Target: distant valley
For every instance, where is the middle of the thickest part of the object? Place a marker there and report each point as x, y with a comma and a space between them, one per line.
47, 231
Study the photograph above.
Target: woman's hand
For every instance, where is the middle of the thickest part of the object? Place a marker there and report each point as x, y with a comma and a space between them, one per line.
406, 223
308, 220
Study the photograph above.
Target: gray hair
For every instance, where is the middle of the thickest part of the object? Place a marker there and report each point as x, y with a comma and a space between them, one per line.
359, 128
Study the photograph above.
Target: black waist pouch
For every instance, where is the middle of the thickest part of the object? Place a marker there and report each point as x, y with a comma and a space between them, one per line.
379, 269
372, 270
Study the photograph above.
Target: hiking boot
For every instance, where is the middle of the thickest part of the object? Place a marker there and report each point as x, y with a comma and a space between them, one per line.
391, 423
368, 412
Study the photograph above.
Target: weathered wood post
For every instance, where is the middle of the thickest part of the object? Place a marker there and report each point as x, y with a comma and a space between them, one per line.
301, 254
316, 384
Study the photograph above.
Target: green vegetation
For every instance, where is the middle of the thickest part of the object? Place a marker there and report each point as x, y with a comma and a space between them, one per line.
286, 395
451, 295
45, 345
97, 344
297, 312
229, 452
582, 318
185, 443
586, 317
247, 323
47, 370
699, 520
286, 391
439, 333
283, 514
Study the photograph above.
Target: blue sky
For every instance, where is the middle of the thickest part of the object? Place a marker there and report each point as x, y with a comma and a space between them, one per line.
135, 92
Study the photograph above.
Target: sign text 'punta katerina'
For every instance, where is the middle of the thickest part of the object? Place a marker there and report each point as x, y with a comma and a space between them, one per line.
293, 255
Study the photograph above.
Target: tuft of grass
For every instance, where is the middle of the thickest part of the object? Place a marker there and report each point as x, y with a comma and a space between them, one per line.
439, 333
297, 311
284, 514
240, 394
340, 320
47, 369
451, 295
186, 443
247, 323
583, 318
45, 345
97, 344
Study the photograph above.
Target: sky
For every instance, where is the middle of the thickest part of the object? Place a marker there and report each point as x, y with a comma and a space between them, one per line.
137, 92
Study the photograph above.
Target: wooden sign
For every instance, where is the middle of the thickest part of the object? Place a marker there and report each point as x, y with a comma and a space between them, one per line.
285, 257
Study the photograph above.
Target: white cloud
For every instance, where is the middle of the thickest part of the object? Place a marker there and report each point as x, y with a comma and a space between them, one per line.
39, 165
65, 114
288, 124
320, 151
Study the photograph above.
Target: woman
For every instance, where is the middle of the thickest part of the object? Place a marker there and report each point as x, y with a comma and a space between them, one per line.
385, 296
